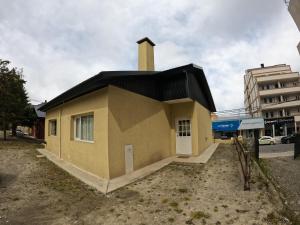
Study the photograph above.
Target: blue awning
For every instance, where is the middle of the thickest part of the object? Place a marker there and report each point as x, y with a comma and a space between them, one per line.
231, 125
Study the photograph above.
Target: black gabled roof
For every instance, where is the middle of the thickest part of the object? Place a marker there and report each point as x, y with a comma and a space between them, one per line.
145, 39
39, 113
181, 82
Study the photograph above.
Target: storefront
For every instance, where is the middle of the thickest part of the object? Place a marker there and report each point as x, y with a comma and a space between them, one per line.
223, 129
279, 126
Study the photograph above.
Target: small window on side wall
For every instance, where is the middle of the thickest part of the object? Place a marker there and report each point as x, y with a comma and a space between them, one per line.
84, 128
52, 127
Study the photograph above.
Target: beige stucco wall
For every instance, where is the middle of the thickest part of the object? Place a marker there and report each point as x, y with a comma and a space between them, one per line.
53, 142
149, 125
184, 111
122, 117
200, 123
140, 121
92, 157
146, 57
204, 127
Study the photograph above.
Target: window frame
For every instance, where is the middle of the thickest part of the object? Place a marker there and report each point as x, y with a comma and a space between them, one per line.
50, 124
183, 128
75, 137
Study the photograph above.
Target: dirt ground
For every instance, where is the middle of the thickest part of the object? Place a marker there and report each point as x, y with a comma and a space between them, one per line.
285, 172
34, 191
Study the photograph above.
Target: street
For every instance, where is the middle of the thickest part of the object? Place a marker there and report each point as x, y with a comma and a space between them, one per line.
276, 148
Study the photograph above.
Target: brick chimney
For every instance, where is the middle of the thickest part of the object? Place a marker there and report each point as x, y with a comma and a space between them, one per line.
146, 54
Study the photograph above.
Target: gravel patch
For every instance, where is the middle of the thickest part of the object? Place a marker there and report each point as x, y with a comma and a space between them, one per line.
285, 173
35, 191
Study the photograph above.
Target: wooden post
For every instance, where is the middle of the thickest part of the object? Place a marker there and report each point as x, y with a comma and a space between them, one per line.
247, 171
256, 143
297, 146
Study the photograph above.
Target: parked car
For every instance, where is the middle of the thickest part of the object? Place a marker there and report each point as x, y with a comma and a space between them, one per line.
266, 140
288, 139
224, 137
278, 139
19, 133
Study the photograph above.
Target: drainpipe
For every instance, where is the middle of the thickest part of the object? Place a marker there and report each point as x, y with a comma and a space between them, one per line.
60, 112
60, 133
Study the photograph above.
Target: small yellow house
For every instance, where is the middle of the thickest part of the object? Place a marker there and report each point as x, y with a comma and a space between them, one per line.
119, 121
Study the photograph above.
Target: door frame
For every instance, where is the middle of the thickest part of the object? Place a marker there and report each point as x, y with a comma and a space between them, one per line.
190, 152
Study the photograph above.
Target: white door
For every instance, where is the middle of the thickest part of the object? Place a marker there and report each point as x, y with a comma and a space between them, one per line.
183, 137
128, 158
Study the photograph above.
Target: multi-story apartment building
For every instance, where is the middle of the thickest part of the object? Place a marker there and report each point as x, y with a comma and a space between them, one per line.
273, 93
294, 9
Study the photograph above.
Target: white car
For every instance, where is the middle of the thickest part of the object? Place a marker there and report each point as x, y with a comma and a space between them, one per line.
267, 140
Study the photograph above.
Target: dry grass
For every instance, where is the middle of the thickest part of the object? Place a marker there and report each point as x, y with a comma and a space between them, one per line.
37, 192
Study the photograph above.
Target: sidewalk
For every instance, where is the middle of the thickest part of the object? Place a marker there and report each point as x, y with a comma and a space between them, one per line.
276, 154
106, 186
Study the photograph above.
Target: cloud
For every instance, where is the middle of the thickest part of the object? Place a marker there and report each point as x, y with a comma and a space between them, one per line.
61, 43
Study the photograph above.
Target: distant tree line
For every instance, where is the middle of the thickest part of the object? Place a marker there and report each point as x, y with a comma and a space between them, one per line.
14, 105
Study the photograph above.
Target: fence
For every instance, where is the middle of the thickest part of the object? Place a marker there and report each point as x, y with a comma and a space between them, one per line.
297, 146
245, 161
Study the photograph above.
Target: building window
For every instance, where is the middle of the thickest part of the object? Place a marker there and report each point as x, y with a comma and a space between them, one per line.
287, 112
52, 127
271, 114
278, 99
265, 100
280, 113
276, 85
270, 100
267, 115
284, 98
84, 128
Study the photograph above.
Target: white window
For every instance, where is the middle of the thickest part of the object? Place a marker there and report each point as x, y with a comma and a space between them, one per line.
52, 127
84, 128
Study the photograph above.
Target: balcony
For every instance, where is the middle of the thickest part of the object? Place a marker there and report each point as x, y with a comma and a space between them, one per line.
279, 91
279, 105
273, 78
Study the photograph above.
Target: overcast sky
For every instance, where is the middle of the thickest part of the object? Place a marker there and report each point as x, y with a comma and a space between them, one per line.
61, 43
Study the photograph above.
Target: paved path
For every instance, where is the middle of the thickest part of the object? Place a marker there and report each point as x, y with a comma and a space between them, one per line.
274, 151
106, 186
276, 154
